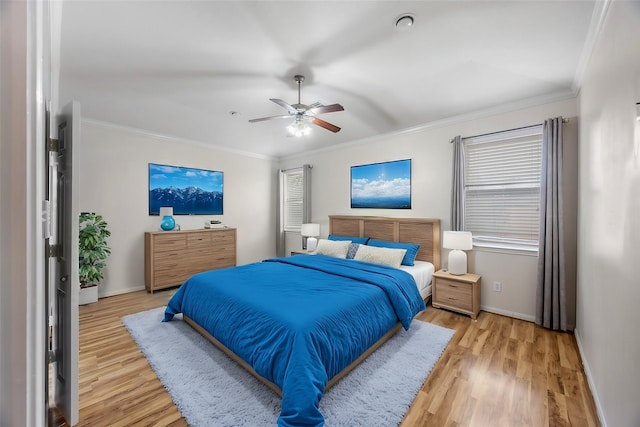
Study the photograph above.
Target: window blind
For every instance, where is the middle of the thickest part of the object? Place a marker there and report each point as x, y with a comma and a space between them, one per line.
293, 199
502, 188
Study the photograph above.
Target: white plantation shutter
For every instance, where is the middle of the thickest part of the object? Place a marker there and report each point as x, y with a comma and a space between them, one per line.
293, 199
294, 194
502, 188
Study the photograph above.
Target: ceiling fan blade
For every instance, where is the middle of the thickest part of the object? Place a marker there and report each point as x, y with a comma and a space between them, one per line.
326, 125
326, 109
262, 119
283, 104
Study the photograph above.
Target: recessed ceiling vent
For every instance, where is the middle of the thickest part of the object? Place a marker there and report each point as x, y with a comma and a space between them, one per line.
404, 22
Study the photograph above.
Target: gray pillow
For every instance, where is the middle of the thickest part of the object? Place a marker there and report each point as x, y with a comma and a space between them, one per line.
353, 248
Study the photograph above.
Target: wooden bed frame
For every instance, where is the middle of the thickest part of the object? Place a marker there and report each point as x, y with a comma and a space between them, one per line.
425, 232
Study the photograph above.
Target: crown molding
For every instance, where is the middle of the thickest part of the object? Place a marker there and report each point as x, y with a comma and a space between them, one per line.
480, 114
144, 132
600, 10
453, 120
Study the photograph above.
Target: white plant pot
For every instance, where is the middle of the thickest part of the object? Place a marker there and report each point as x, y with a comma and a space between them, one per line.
88, 295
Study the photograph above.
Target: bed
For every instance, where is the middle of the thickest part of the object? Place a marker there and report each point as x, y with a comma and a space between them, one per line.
424, 232
300, 323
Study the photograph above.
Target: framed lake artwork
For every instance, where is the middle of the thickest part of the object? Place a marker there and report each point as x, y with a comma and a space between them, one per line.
385, 185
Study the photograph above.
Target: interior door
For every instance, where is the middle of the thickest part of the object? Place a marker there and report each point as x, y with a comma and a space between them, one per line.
63, 264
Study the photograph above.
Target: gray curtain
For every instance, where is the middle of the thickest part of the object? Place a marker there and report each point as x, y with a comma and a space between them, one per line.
457, 186
551, 301
280, 241
306, 198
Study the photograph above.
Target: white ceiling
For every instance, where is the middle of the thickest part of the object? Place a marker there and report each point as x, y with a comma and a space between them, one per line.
178, 68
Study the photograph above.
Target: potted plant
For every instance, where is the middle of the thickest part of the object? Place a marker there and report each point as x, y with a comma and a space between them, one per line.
92, 252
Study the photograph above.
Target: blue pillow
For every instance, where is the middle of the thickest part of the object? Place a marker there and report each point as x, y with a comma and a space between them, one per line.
409, 256
361, 240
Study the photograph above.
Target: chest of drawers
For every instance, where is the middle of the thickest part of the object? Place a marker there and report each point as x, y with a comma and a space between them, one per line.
171, 257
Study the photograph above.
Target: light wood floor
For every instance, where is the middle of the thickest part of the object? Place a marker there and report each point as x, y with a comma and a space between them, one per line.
496, 371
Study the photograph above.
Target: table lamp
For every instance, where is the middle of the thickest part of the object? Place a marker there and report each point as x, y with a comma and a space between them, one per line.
309, 233
168, 223
457, 241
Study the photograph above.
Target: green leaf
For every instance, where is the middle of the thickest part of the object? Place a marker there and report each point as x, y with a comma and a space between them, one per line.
93, 247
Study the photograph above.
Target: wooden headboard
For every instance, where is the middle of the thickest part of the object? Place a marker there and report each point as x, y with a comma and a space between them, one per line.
423, 231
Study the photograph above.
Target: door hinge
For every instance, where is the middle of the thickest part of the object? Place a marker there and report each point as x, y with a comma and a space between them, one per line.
55, 251
53, 145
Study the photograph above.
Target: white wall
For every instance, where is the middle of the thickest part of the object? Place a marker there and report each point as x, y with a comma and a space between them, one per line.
609, 212
431, 155
23, 38
114, 183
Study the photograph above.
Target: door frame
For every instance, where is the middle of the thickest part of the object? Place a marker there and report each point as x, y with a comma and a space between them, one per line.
24, 85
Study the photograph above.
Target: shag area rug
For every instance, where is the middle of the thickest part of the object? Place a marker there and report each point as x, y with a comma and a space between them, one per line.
211, 390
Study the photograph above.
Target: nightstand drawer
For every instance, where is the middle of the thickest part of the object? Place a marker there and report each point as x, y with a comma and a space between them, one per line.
454, 293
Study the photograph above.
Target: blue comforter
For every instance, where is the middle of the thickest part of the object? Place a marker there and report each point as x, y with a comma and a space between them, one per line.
298, 321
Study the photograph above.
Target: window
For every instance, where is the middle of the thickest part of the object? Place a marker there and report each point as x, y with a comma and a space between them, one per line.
293, 199
502, 188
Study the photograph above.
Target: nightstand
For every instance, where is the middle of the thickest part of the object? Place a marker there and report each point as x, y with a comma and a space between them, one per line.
301, 252
458, 293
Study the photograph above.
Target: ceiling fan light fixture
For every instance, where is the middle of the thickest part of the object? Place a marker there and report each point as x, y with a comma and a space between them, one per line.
298, 128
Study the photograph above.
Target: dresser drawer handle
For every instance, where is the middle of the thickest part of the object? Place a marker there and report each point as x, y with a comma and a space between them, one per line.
452, 298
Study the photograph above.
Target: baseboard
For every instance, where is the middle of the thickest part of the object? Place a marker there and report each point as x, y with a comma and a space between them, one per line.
515, 315
121, 291
592, 388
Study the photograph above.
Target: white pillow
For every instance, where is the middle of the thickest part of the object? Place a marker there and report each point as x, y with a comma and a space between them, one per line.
334, 248
378, 255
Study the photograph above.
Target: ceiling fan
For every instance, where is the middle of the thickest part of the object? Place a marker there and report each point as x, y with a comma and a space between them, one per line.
303, 114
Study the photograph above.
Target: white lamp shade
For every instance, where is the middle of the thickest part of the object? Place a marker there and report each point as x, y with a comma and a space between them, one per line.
166, 211
457, 240
310, 230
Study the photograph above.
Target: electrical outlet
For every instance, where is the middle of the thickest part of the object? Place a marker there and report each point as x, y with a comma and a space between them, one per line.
497, 286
